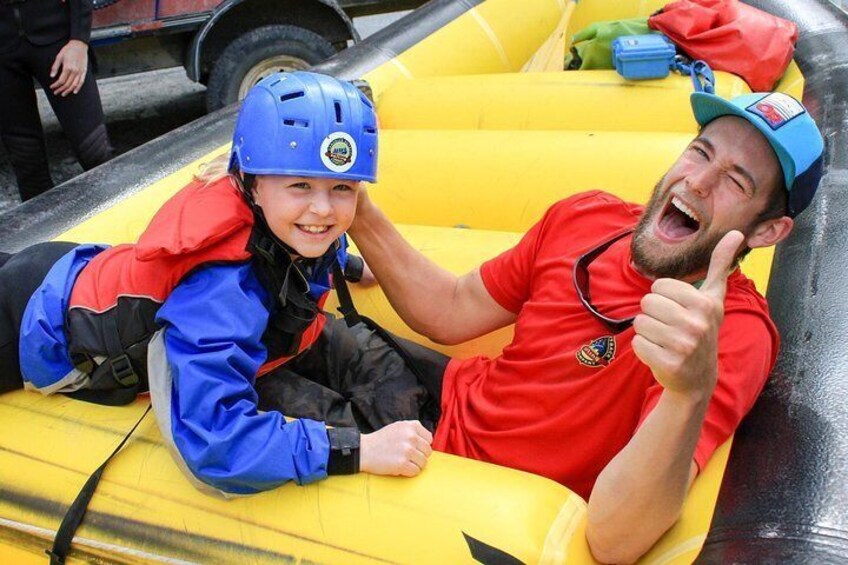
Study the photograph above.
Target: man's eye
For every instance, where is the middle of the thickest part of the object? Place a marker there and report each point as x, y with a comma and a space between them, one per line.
739, 185
342, 187
301, 185
700, 152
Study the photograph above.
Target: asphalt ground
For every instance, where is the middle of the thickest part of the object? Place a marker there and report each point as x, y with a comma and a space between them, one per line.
138, 108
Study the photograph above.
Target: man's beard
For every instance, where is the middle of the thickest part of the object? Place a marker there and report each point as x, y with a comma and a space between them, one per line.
685, 260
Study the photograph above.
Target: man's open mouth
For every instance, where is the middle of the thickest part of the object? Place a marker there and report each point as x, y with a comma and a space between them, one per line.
677, 221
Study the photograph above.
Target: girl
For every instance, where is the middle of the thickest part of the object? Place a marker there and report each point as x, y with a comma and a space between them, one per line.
225, 284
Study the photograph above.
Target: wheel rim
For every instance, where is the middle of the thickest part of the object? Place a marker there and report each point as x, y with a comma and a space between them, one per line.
267, 66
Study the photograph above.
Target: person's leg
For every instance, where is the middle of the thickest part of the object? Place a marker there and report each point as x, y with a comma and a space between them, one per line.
20, 127
313, 384
20, 275
80, 114
351, 376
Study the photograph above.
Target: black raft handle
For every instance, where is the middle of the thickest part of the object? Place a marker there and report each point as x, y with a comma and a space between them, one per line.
76, 511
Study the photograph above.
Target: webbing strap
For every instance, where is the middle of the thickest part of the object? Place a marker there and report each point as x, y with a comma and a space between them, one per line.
346, 307
352, 317
699, 71
76, 511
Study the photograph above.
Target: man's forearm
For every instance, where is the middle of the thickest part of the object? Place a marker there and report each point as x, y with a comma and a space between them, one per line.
419, 290
639, 494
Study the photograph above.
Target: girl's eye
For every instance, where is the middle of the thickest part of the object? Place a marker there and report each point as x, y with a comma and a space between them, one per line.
342, 187
301, 185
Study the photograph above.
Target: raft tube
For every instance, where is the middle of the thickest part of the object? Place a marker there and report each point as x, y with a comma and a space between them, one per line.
785, 492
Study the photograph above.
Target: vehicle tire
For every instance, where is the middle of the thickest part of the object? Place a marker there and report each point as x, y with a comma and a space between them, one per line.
256, 54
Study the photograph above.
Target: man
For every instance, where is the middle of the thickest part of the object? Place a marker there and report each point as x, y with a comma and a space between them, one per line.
638, 346
48, 40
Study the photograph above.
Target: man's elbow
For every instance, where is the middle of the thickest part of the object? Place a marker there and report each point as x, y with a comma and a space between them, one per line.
608, 550
608, 546
612, 553
441, 333
444, 338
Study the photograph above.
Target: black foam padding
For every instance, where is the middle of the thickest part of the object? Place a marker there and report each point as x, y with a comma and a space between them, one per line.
785, 493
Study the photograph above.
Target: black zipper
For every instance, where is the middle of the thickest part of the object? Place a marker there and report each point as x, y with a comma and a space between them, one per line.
17, 12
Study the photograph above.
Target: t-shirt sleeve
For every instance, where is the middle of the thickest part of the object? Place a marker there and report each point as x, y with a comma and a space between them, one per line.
748, 344
509, 277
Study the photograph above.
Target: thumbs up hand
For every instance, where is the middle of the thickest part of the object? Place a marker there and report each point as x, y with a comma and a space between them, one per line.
677, 330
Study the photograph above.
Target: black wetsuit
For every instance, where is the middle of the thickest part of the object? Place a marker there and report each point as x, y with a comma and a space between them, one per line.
32, 32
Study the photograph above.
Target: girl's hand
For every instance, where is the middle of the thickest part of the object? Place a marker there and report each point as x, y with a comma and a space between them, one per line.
401, 448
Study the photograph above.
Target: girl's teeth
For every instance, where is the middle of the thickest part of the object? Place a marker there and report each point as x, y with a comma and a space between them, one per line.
314, 229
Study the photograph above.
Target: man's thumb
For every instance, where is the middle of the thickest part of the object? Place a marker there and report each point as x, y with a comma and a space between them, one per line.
721, 262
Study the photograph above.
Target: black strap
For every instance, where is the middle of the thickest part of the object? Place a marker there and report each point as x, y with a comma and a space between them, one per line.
114, 382
119, 364
352, 317
346, 307
76, 511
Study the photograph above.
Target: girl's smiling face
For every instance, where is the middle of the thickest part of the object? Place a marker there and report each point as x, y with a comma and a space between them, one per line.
308, 214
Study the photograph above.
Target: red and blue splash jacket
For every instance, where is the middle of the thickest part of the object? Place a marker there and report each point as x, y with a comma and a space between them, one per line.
193, 316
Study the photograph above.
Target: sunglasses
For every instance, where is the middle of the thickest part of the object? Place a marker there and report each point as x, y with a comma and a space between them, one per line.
581, 285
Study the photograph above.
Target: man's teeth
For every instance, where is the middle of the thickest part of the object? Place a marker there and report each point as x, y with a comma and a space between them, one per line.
314, 229
678, 203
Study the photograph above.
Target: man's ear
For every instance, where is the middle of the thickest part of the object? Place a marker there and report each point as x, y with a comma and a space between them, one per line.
770, 232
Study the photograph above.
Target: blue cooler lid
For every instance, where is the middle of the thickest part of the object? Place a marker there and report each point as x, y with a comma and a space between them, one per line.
639, 47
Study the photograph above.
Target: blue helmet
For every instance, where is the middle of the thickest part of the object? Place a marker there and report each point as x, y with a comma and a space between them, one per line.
306, 125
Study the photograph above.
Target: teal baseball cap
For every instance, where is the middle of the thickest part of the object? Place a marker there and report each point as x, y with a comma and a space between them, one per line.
789, 129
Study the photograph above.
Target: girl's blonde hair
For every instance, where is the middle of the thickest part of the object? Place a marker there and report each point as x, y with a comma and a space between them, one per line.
214, 170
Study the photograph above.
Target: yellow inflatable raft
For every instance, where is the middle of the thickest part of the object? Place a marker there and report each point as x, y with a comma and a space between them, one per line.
481, 132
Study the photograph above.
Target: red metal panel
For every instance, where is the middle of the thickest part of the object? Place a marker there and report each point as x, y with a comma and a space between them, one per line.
125, 12
170, 8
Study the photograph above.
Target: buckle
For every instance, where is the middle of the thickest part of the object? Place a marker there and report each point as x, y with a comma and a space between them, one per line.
122, 371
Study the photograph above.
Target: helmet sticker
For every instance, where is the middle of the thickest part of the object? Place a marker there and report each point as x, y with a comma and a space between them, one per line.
338, 152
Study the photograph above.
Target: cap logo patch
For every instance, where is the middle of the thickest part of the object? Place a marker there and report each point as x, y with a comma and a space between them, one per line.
338, 152
776, 109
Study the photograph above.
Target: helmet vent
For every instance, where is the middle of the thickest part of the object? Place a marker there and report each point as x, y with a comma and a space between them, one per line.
291, 96
296, 123
338, 108
365, 99
370, 130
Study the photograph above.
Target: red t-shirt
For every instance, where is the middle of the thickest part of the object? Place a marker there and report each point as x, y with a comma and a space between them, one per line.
567, 395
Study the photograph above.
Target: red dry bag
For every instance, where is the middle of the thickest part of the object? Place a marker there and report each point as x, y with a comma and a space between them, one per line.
731, 36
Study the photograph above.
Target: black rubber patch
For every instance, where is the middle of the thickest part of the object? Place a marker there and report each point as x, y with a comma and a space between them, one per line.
488, 555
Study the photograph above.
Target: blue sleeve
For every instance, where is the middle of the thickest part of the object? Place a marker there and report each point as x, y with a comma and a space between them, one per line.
213, 323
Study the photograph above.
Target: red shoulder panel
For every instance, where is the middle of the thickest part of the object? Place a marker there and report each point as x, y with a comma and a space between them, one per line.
200, 224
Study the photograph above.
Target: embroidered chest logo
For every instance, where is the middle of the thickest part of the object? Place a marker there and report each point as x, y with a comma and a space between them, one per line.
598, 353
